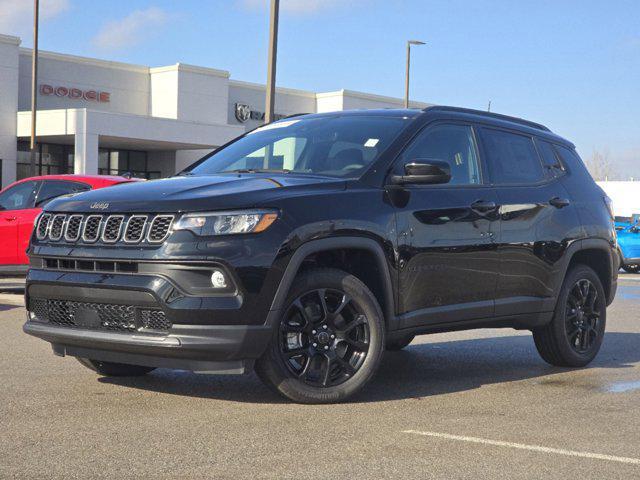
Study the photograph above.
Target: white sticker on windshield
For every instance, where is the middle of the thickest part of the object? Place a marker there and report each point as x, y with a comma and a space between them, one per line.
372, 142
271, 126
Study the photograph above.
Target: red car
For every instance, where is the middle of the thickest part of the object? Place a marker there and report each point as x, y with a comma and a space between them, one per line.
22, 201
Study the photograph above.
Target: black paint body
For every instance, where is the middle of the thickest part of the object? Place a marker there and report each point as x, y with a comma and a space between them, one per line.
438, 257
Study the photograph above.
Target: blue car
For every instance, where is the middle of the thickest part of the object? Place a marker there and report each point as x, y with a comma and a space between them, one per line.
628, 230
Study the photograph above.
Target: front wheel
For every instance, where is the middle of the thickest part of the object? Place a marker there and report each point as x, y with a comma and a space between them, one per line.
631, 268
328, 342
110, 369
574, 336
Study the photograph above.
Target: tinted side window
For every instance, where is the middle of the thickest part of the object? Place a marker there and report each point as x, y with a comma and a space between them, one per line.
19, 197
549, 158
453, 144
512, 158
52, 189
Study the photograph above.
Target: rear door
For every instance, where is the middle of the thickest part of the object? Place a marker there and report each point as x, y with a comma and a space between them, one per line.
537, 220
448, 266
15, 202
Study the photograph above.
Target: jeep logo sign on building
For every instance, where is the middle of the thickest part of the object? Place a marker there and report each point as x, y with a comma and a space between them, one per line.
75, 93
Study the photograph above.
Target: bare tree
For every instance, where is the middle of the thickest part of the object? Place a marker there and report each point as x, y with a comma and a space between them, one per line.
600, 165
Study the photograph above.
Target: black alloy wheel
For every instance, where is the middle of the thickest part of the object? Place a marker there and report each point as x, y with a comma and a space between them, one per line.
582, 316
324, 337
574, 335
328, 341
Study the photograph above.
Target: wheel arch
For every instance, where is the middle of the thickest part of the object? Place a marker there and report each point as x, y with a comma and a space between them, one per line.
598, 255
322, 251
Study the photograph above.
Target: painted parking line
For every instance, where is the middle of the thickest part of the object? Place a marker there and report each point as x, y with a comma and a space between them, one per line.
521, 446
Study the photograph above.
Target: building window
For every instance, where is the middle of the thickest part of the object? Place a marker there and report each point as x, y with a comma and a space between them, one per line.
55, 159
51, 159
119, 162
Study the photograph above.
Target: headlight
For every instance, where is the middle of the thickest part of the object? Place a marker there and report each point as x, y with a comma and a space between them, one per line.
226, 223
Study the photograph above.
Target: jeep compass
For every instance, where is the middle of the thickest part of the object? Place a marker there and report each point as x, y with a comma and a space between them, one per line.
309, 246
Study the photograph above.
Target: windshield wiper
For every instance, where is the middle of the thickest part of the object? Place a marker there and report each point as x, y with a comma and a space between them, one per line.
258, 170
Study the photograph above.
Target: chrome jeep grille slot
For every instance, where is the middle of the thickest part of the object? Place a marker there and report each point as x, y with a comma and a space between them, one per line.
134, 231
91, 230
104, 228
57, 227
43, 226
72, 233
112, 228
160, 227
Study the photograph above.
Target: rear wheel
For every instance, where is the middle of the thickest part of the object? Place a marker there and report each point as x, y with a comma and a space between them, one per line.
329, 341
631, 268
110, 369
574, 336
399, 343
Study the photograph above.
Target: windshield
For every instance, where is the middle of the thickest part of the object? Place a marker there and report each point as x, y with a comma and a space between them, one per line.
340, 146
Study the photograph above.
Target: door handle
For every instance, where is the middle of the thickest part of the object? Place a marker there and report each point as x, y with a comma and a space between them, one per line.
559, 202
483, 206
10, 219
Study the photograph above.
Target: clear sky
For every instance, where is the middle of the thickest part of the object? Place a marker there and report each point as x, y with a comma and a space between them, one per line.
573, 65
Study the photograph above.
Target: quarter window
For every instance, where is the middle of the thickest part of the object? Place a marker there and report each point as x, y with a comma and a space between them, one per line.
453, 144
512, 158
549, 158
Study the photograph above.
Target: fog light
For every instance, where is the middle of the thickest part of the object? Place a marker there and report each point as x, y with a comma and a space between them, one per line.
218, 279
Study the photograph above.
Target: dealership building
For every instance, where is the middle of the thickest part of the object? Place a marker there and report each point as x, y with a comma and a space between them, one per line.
101, 117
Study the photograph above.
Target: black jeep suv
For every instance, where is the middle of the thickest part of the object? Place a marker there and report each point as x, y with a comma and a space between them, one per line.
309, 245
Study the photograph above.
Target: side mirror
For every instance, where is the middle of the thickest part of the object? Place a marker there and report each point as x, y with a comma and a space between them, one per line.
424, 172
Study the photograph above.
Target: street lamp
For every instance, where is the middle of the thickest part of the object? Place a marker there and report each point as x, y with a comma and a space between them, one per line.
34, 88
271, 66
406, 80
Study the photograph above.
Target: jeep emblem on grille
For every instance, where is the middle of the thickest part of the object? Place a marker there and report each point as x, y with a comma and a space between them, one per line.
99, 206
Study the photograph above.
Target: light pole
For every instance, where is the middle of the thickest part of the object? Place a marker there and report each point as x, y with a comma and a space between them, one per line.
406, 80
271, 65
34, 88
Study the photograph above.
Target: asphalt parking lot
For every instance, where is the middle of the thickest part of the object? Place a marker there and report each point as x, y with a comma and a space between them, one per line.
478, 404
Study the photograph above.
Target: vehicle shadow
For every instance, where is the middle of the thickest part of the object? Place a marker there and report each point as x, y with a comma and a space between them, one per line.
421, 370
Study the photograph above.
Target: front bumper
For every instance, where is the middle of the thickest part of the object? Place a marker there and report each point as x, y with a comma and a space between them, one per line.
200, 333
205, 349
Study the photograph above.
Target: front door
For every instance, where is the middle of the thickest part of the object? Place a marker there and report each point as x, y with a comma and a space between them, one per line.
14, 201
448, 265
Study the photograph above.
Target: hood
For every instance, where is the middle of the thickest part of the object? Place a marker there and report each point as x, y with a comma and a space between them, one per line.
195, 193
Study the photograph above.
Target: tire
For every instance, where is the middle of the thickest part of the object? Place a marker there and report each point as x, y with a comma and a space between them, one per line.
574, 335
109, 369
399, 343
309, 364
631, 268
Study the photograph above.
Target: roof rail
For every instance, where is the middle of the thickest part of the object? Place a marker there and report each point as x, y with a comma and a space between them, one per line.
481, 113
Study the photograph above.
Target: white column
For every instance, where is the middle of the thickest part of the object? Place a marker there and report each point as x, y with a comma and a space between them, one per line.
86, 153
9, 79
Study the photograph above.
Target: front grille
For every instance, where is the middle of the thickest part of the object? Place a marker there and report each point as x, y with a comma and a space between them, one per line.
159, 229
112, 227
91, 230
43, 226
102, 316
57, 225
72, 233
154, 320
135, 228
108, 229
